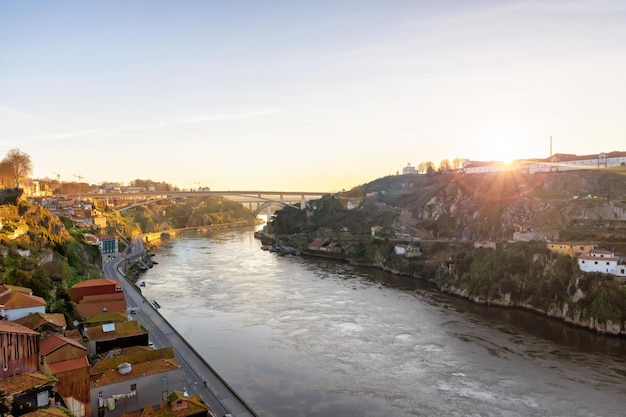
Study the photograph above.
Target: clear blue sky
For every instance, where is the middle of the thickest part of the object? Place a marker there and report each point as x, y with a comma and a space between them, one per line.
312, 95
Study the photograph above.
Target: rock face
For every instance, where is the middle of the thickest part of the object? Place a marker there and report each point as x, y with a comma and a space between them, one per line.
488, 206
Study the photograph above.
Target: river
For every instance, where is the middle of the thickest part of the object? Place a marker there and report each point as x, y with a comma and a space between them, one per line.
305, 337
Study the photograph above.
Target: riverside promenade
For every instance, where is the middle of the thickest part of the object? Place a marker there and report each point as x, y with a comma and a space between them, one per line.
199, 378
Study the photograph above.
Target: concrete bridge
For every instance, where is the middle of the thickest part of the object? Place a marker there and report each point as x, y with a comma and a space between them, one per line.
257, 200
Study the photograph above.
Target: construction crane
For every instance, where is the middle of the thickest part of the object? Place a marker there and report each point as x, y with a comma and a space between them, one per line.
80, 180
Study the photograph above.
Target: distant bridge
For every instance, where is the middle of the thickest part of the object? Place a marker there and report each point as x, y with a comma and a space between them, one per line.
261, 199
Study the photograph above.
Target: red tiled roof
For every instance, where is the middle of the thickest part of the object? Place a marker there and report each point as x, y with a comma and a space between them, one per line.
23, 382
54, 342
36, 320
70, 365
46, 412
597, 258
155, 367
601, 252
11, 327
14, 300
7, 287
102, 297
96, 282
91, 309
122, 329
109, 317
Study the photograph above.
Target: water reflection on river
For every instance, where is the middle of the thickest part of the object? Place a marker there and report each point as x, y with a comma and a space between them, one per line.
297, 336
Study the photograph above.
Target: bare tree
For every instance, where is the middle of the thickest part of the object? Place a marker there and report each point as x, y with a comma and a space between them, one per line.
444, 165
421, 167
430, 167
19, 165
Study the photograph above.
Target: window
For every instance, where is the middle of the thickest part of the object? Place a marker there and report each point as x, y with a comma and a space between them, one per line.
133, 387
595, 262
164, 396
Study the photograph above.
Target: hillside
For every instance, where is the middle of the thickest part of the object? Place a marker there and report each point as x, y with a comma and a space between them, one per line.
566, 205
443, 215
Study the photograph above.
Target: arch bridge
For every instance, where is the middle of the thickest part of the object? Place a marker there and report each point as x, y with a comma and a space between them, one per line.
257, 200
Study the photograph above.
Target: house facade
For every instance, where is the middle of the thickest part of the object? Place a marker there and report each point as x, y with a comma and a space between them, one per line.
599, 260
95, 286
25, 393
18, 302
573, 249
129, 387
19, 349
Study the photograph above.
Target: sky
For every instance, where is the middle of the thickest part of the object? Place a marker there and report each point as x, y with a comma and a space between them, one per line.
304, 95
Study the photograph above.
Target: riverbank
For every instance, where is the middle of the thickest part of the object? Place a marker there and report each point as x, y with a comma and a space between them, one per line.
550, 288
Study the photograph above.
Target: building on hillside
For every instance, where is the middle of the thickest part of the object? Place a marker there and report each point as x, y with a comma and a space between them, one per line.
15, 305
95, 307
95, 286
409, 170
560, 162
604, 261
108, 244
177, 405
66, 360
24, 393
130, 383
106, 337
103, 318
45, 324
56, 349
485, 244
407, 250
573, 249
19, 349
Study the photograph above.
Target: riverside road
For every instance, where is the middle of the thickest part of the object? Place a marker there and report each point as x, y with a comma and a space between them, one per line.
199, 377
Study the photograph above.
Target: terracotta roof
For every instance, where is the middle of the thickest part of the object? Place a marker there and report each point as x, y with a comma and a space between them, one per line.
195, 406
46, 412
15, 300
91, 309
597, 258
96, 282
108, 317
73, 334
11, 327
54, 342
71, 365
7, 287
601, 252
132, 414
155, 367
36, 320
122, 329
103, 297
23, 382
132, 356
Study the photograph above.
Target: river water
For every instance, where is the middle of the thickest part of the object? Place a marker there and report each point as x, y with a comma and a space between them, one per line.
304, 337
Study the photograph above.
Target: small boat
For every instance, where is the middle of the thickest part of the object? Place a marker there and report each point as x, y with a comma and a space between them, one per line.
143, 284
156, 305
265, 247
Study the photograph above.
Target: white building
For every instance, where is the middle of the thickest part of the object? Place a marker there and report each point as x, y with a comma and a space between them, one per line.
409, 170
600, 260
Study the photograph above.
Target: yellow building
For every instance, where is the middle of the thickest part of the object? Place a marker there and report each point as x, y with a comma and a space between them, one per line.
571, 249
